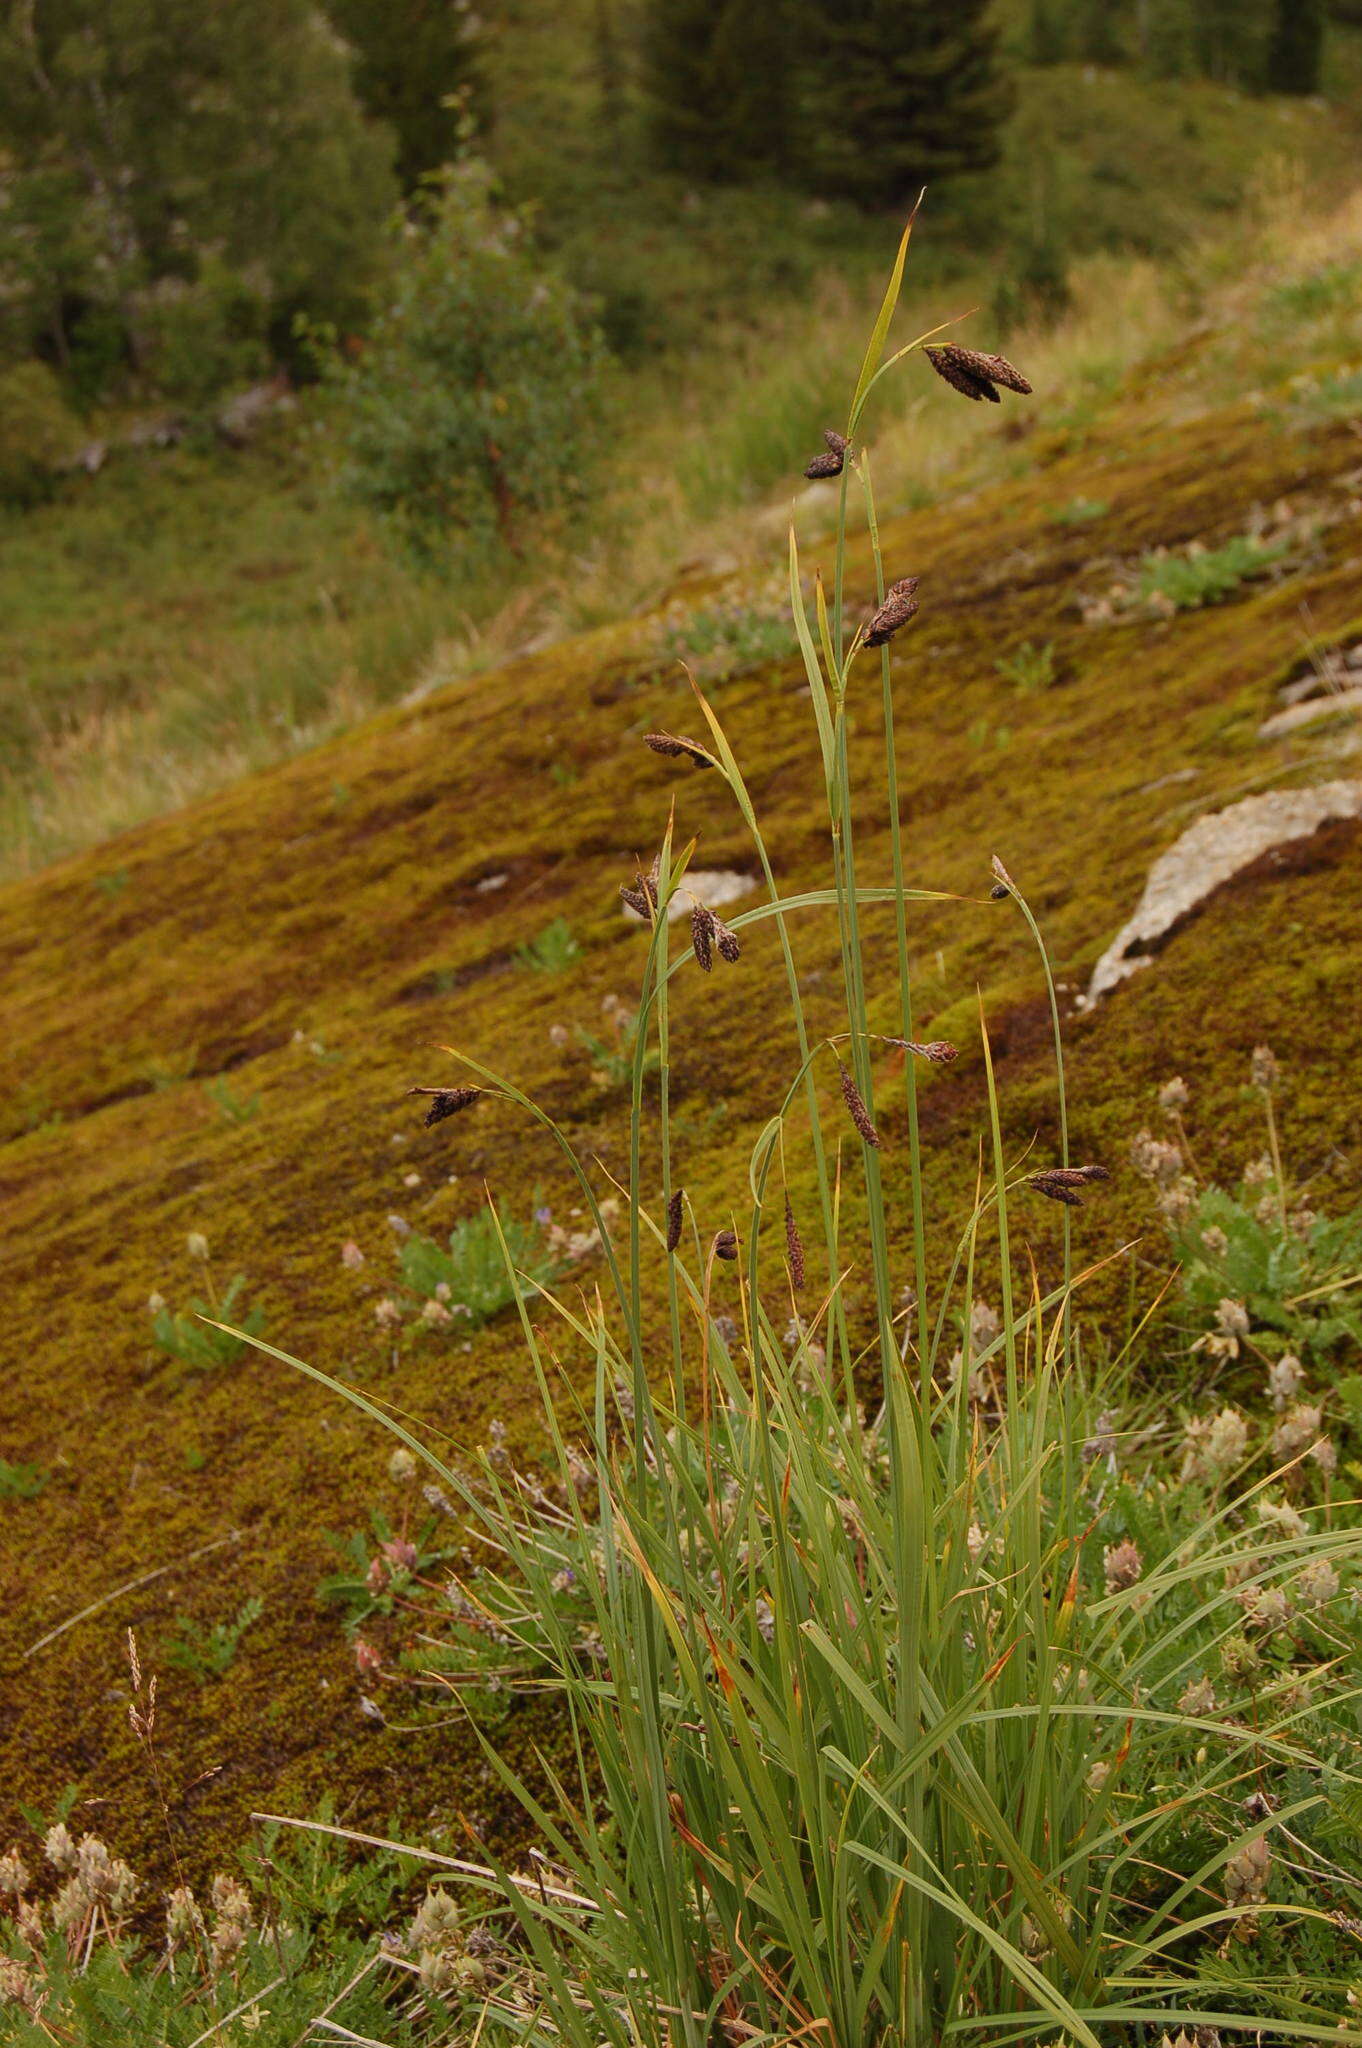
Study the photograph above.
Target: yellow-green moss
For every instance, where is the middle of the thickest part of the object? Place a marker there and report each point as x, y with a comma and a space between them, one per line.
327, 897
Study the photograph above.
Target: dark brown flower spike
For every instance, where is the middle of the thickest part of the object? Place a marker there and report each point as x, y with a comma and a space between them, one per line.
726, 1244
674, 1220
900, 604
702, 936
794, 1247
976, 375
1061, 1183
839, 448
636, 901
445, 1102
939, 1052
856, 1108
725, 940
676, 748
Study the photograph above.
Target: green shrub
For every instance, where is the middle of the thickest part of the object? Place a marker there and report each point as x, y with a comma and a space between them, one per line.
37, 433
1197, 575
471, 407
1029, 668
468, 1279
554, 950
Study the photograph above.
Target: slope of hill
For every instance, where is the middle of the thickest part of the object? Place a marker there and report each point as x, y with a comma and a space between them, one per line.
212, 1021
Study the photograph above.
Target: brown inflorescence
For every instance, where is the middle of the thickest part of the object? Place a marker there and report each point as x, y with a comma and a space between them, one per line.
726, 1244
702, 936
725, 940
822, 466
977, 375
939, 1052
677, 748
856, 1108
445, 1102
794, 1246
900, 604
674, 1220
1061, 1183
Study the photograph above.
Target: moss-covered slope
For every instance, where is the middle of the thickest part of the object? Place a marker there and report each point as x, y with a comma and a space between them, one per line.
314, 933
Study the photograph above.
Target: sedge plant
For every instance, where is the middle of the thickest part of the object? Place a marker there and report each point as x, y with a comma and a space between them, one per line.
875, 1742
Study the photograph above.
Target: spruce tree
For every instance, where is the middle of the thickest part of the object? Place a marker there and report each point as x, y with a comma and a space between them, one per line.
899, 92
717, 74
416, 64
1296, 50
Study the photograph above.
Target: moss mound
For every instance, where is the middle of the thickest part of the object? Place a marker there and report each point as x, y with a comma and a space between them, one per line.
309, 937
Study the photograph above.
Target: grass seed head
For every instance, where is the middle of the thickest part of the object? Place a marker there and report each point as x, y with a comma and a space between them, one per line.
725, 940
726, 1244
822, 466
794, 1247
856, 1108
899, 607
674, 1220
702, 936
938, 1052
677, 748
974, 374
445, 1102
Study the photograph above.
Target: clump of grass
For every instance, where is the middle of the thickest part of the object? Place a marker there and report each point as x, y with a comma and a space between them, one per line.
232, 1108
210, 1651
908, 1705
555, 949
1029, 668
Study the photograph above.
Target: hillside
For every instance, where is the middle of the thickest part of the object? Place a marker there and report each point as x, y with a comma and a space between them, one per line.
213, 1020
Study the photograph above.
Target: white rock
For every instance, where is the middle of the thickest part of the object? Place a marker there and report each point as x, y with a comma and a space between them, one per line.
1332, 705
1209, 853
715, 887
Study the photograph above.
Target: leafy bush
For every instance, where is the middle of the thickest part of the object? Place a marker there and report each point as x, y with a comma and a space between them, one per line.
472, 404
37, 433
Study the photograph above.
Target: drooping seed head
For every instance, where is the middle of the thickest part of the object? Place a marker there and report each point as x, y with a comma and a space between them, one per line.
726, 1244
674, 1220
838, 443
822, 466
676, 748
445, 1102
899, 607
1061, 1183
856, 1109
725, 940
636, 901
973, 373
938, 1052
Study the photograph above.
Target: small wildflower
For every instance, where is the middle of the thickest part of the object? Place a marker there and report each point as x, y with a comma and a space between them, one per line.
559, 1036
1259, 1173
1232, 1317
398, 1225
1317, 1583
973, 373
794, 1247
402, 1466
1266, 1607
402, 1555
58, 1847
352, 1258
1198, 1698
184, 1921
1281, 1519
1097, 1777
856, 1109
1214, 1242
1263, 1069
1174, 1096
1103, 1442
13, 1875
900, 605
1285, 1379
726, 1244
702, 936
1246, 1873
674, 748
674, 1219
368, 1662
197, 1245
1296, 1432
725, 1329
436, 1315
445, 1102
411, 1180
387, 1314
1213, 1447
976, 1543
1155, 1159
155, 1303
1238, 1658
1301, 1223
1123, 1566
1325, 1456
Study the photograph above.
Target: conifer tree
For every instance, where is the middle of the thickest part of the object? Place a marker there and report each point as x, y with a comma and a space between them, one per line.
717, 73
1296, 50
416, 64
900, 91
